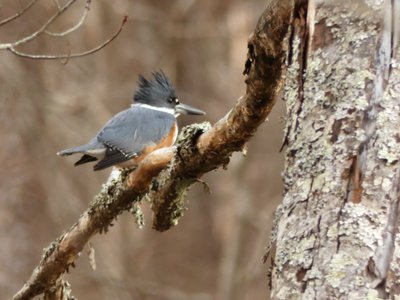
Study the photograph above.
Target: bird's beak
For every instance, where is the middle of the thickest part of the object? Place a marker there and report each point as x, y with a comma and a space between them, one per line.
188, 110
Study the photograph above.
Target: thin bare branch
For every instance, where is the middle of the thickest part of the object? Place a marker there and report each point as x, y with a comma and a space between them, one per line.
76, 26
18, 14
199, 150
44, 27
57, 4
70, 55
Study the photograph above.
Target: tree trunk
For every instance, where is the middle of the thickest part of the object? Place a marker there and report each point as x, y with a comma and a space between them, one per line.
337, 230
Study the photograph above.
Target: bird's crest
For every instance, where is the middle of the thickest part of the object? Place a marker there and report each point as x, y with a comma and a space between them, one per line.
153, 91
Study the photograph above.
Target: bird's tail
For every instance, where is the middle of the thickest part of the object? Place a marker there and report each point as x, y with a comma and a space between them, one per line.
70, 151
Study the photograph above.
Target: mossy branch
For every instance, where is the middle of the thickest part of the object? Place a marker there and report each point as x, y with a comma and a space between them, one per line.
264, 73
200, 149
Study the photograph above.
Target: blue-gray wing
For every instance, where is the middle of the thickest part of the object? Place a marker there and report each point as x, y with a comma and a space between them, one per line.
129, 132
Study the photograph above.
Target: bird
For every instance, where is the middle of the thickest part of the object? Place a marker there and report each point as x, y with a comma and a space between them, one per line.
149, 124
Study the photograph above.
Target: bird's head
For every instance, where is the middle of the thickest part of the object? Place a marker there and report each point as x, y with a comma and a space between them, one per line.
160, 93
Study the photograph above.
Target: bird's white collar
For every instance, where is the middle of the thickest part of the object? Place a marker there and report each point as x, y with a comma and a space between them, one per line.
163, 109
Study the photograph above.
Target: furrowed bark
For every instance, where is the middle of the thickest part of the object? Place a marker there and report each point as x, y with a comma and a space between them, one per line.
337, 230
199, 150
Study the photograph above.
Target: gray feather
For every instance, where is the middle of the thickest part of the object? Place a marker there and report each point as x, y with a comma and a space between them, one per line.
93, 148
132, 130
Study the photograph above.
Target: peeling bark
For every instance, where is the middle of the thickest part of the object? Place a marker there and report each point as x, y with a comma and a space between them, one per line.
337, 230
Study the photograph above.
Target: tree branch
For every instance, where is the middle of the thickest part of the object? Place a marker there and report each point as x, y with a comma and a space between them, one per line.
12, 47
264, 68
115, 197
73, 55
38, 32
199, 150
76, 26
18, 14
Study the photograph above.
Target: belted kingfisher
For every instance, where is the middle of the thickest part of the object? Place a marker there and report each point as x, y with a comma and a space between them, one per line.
149, 124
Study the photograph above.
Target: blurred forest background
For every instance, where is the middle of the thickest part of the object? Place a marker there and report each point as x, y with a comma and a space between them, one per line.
216, 250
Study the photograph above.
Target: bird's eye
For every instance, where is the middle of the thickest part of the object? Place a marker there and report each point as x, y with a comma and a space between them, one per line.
171, 99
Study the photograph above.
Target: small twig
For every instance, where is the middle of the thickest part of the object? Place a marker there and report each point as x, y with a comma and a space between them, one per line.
68, 56
18, 14
76, 26
66, 60
43, 28
57, 4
